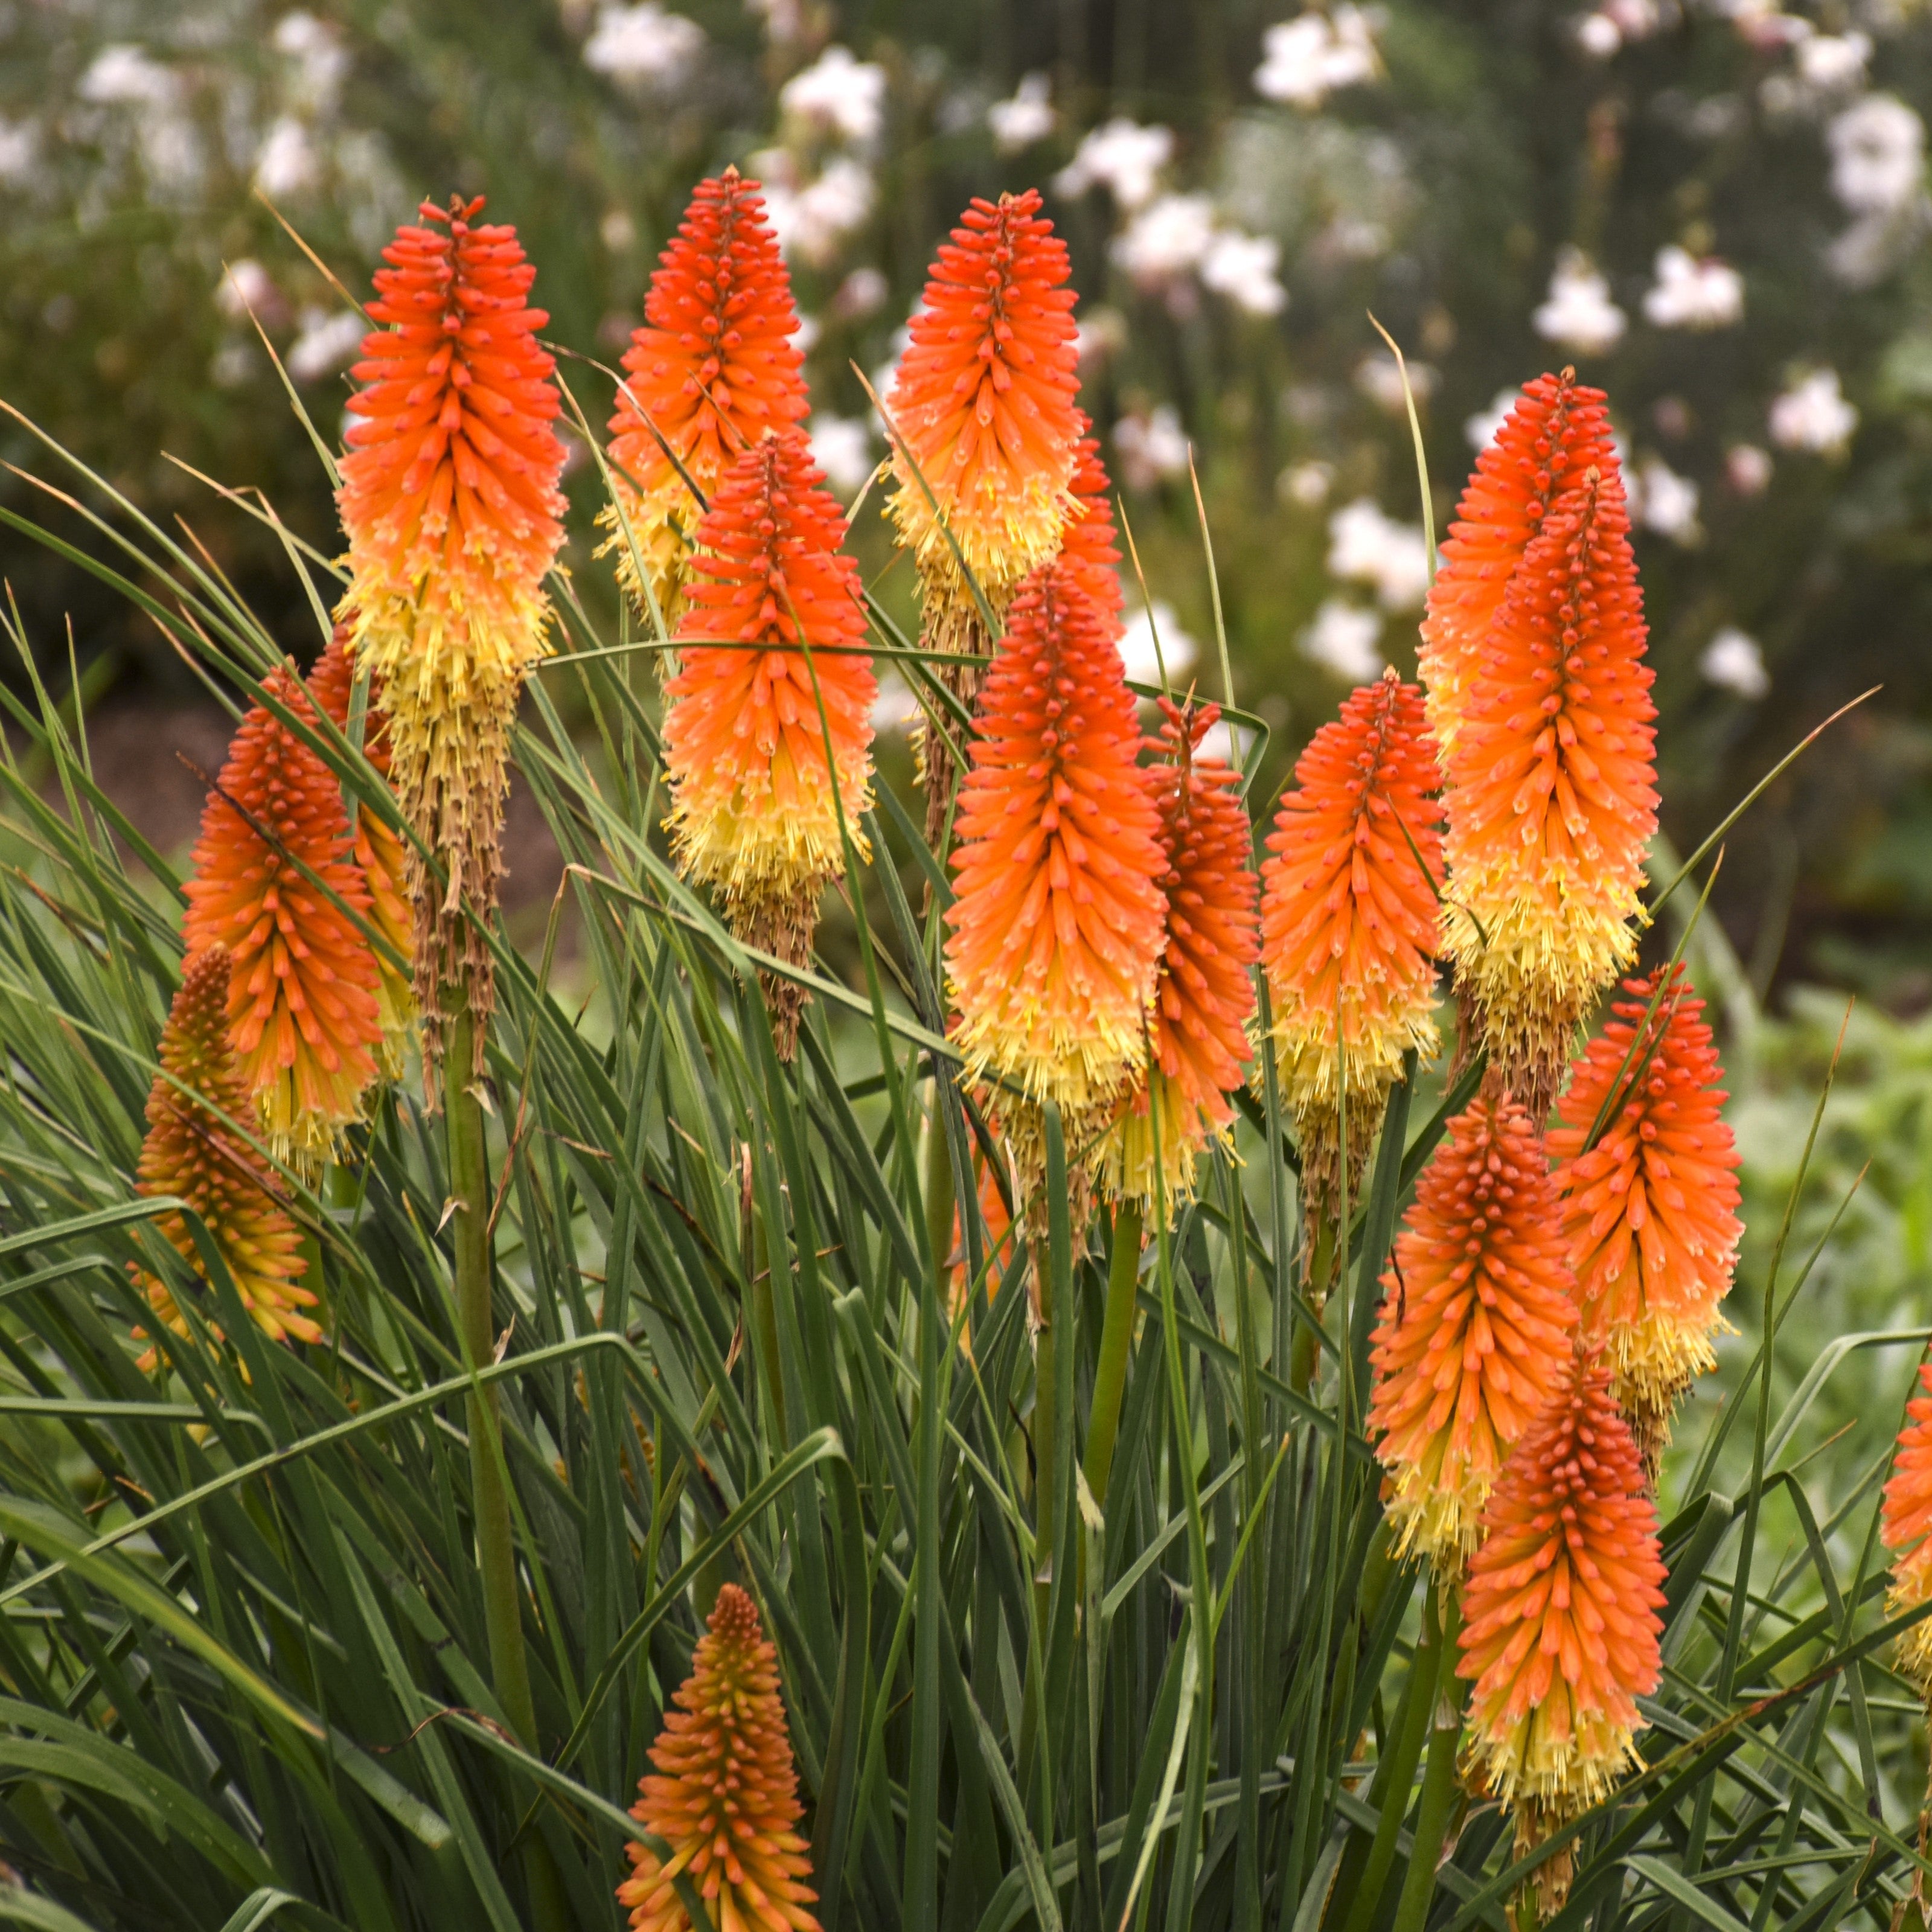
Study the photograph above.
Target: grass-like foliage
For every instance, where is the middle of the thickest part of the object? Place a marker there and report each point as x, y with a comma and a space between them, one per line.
245, 1674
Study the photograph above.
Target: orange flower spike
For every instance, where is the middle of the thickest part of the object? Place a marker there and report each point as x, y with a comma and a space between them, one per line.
450, 501
1204, 995
1349, 921
984, 400
725, 1796
303, 1011
192, 1153
1551, 793
1476, 1322
1057, 921
713, 368
755, 811
379, 850
1088, 548
1557, 431
1560, 1624
1905, 1525
1650, 1212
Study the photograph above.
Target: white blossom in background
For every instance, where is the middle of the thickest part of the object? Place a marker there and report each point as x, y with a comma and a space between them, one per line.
895, 708
644, 45
1378, 376
842, 447
1481, 428
1833, 63
1878, 155
838, 95
121, 75
1732, 661
1615, 24
1689, 293
1663, 501
318, 62
232, 364
1246, 269
805, 337
1305, 60
1026, 117
19, 149
1812, 414
1344, 639
785, 20
1122, 157
1150, 448
1178, 651
329, 340
1366, 547
1168, 239
1747, 469
1597, 35
247, 289
288, 164
812, 218
1099, 334
1306, 485
863, 292
1579, 314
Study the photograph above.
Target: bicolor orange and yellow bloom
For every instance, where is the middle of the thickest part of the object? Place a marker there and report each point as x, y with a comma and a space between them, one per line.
1551, 793
192, 1153
1349, 923
1560, 1624
1058, 922
725, 1794
768, 743
1650, 1211
1204, 996
1905, 1525
1556, 432
303, 1013
379, 851
1477, 1320
713, 368
450, 501
1087, 547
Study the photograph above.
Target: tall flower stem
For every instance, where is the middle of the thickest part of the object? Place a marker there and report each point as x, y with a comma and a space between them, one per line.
495, 1548
1117, 1338
1438, 1781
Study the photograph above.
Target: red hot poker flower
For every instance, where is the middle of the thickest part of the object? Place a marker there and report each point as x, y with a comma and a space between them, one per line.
755, 811
1087, 549
302, 1002
1560, 1624
1057, 923
450, 500
714, 366
1204, 996
1477, 1322
1348, 924
1650, 1212
1905, 1525
191, 1152
725, 1796
1551, 794
1556, 432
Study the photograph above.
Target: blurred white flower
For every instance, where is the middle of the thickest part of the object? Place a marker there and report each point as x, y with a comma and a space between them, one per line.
895, 708
842, 447
1150, 448
288, 164
1599, 36
643, 45
1353, 237
862, 293
121, 75
1732, 661
247, 289
1244, 267
785, 20
1812, 414
812, 221
329, 340
617, 231
321, 62
1026, 118
805, 337
1305, 60
1481, 427
839, 95
1306, 484
232, 364
1690, 293
1099, 333
1120, 156
1878, 155
1663, 501
1833, 63
1165, 239
20, 148
1344, 639
1366, 546
1177, 650
1378, 376
1579, 314
1747, 469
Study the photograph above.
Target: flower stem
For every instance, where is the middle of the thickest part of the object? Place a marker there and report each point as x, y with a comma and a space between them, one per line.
1438, 1782
1117, 1340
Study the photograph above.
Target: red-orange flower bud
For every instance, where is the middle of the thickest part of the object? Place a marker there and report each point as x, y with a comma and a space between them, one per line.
1905, 1525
